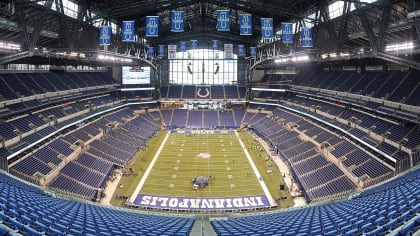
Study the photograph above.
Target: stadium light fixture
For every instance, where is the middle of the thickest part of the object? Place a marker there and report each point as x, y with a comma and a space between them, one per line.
399, 46
9, 46
293, 59
103, 57
333, 55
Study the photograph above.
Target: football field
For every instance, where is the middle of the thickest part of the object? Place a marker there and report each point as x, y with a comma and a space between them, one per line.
219, 157
170, 162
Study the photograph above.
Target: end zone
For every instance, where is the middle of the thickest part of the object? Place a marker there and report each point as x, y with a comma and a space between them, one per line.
200, 204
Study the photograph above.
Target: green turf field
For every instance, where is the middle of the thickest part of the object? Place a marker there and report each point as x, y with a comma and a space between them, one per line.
180, 161
227, 167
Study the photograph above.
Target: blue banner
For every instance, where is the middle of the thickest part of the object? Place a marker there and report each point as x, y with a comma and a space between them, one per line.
306, 37
150, 52
287, 32
177, 21
215, 44
223, 20
182, 46
161, 50
241, 50
267, 28
105, 35
253, 51
245, 24
193, 44
128, 31
152, 26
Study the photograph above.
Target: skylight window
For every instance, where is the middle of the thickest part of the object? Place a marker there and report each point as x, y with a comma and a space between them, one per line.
70, 8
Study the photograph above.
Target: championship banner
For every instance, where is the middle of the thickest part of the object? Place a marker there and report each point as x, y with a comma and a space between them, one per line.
267, 28
182, 46
245, 24
128, 31
287, 32
105, 35
171, 52
161, 50
306, 37
215, 44
241, 50
253, 51
194, 44
152, 26
177, 21
150, 52
228, 51
223, 20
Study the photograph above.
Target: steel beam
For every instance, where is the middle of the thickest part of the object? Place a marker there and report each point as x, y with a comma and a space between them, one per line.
63, 23
415, 5
366, 25
399, 60
20, 14
326, 17
15, 57
343, 24
386, 15
37, 29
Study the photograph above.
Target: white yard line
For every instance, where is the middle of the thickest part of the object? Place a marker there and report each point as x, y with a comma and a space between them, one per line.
257, 173
149, 168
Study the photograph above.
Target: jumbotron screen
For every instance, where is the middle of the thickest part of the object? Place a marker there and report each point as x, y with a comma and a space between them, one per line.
135, 75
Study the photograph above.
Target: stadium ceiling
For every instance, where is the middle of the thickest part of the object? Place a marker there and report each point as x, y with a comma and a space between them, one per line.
360, 26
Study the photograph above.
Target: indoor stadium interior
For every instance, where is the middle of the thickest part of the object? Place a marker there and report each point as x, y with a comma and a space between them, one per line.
209, 117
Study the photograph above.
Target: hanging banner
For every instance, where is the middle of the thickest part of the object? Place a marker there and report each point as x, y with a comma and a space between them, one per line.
241, 50
171, 52
223, 20
253, 51
287, 32
128, 31
194, 44
150, 52
105, 35
152, 26
245, 24
215, 44
267, 28
182, 46
228, 51
161, 50
306, 37
177, 21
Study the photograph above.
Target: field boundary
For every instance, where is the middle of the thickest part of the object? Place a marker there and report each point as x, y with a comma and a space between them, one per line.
225, 203
149, 168
257, 173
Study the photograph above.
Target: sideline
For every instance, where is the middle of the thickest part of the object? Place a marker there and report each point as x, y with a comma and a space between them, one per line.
149, 168
257, 173
284, 169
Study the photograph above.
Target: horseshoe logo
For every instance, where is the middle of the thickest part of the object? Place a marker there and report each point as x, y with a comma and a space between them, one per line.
201, 95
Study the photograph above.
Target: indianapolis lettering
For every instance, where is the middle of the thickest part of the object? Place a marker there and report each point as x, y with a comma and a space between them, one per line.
201, 203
